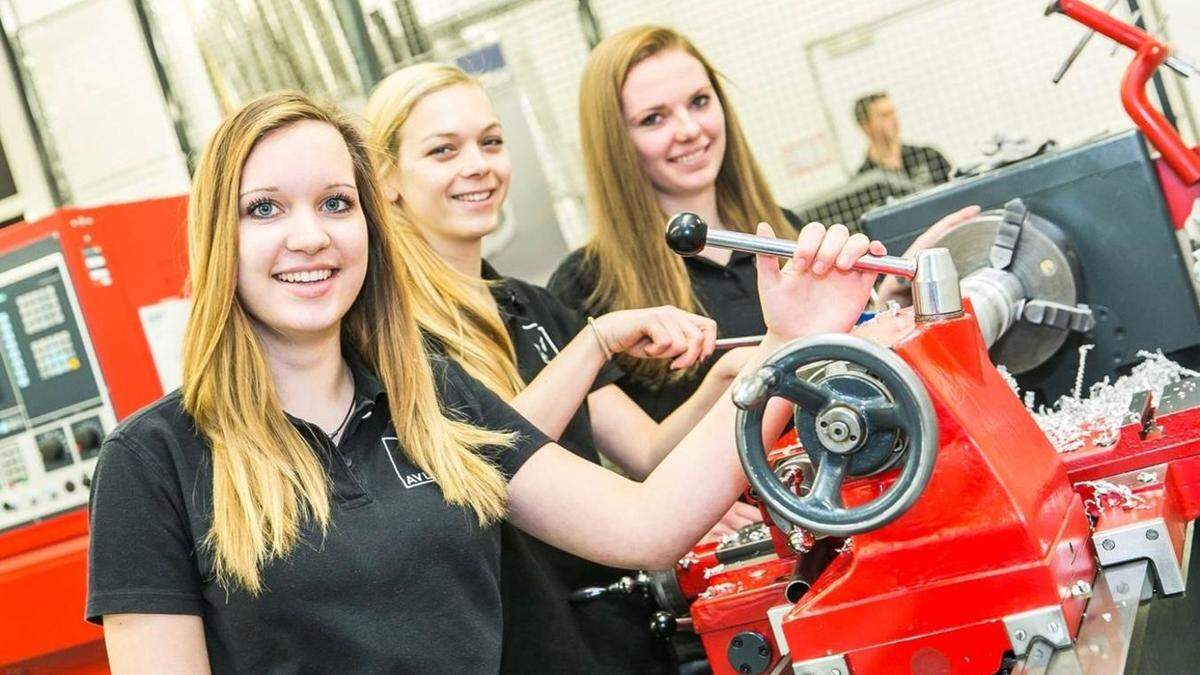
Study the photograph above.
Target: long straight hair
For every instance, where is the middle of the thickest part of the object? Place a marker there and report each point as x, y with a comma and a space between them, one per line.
449, 306
633, 264
266, 479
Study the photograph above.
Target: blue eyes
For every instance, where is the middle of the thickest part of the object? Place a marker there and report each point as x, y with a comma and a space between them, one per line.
336, 204
449, 149
264, 207
651, 120
698, 102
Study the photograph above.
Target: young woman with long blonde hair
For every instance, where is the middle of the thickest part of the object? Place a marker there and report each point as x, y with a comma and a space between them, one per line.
444, 166
322, 494
659, 136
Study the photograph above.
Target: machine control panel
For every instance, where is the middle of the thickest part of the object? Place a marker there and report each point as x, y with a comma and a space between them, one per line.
54, 407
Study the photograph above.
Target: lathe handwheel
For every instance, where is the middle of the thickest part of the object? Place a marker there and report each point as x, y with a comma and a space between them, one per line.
846, 423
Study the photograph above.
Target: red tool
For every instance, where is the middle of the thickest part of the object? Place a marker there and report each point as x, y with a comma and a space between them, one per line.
1149, 54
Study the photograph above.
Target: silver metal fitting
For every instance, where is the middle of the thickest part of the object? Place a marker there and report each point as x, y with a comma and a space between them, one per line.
935, 290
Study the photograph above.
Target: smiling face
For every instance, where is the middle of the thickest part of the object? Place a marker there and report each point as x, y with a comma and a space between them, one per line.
453, 169
676, 123
302, 238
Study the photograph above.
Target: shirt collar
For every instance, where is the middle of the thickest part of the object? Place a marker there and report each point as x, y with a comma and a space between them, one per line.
502, 291
367, 386
735, 259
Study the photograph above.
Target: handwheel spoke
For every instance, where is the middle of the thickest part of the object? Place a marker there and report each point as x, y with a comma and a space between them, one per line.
827, 485
883, 417
803, 393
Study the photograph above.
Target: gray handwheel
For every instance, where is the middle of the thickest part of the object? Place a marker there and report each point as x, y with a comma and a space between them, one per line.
843, 426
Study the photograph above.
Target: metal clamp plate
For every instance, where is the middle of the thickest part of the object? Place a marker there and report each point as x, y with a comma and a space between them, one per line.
1147, 539
1045, 623
829, 665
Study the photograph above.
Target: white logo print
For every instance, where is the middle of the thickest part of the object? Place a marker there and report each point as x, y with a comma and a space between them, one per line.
410, 480
541, 341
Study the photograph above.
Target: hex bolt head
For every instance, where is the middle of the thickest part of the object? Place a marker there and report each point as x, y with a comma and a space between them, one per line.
1052, 627
1152, 534
1020, 635
1081, 589
1108, 544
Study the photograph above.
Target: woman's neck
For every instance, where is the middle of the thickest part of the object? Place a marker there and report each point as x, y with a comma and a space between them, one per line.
464, 256
311, 377
703, 204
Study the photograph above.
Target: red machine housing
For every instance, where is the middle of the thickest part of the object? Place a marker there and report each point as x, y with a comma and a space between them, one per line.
1001, 529
120, 258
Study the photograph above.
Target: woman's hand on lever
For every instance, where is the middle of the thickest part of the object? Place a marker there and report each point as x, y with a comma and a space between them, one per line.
658, 333
818, 290
596, 514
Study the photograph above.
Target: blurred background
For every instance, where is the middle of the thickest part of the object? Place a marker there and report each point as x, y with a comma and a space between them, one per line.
111, 100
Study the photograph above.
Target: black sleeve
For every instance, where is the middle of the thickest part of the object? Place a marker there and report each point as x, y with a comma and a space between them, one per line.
571, 283
141, 557
480, 406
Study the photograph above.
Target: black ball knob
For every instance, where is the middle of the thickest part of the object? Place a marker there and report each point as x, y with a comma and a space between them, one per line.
686, 233
663, 624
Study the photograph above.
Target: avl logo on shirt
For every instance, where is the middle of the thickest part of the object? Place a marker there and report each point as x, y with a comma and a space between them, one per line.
410, 480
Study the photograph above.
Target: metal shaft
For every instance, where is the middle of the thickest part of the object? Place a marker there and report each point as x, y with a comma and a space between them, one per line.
784, 248
735, 342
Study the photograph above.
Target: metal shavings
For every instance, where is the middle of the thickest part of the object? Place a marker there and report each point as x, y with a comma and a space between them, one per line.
756, 532
1083, 352
713, 571
1029, 399
720, 589
1106, 495
1106, 616
688, 560
729, 538
846, 545
1075, 420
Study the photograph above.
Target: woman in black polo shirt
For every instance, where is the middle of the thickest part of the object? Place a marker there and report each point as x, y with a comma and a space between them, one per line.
321, 495
660, 136
444, 165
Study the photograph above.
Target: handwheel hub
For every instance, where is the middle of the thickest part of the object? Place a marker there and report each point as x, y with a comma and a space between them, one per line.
840, 430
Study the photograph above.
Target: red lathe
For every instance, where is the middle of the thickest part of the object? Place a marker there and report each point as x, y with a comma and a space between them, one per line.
925, 523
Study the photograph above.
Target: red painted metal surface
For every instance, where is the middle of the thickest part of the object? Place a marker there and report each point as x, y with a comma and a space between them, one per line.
43, 564
1180, 197
1149, 55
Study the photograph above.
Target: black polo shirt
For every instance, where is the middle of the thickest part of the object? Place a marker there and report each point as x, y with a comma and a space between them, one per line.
924, 166
402, 582
728, 294
543, 631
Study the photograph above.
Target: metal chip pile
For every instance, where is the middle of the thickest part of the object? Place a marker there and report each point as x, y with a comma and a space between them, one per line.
1099, 416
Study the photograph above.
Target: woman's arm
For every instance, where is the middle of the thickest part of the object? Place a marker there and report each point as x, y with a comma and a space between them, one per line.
633, 440
554, 396
576, 506
155, 643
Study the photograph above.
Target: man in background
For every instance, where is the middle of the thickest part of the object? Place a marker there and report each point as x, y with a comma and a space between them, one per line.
876, 116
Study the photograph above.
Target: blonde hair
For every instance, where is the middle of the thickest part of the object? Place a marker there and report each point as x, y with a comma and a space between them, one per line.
633, 265
449, 306
266, 478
